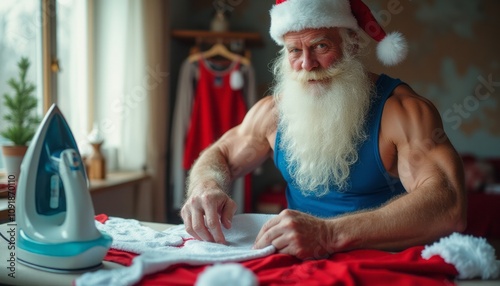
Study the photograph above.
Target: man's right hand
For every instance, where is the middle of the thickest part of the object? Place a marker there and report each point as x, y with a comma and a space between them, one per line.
205, 211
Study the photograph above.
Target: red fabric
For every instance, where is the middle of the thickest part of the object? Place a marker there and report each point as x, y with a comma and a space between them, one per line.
483, 217
366, 20
102, 218
478, 173
274, 195
359, 267
216, 109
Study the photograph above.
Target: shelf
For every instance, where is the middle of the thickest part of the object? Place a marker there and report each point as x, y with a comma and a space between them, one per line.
117, 179
252, 39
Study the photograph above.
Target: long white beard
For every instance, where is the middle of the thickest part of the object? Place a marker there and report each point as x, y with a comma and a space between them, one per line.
322, 124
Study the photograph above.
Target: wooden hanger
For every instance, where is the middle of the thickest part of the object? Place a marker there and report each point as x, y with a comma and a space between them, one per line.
219, 50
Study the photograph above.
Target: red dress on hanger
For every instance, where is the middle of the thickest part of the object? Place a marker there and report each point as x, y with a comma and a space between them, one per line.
217, 108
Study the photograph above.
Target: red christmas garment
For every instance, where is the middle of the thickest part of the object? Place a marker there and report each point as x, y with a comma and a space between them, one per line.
456, 256
218, 106
360, 267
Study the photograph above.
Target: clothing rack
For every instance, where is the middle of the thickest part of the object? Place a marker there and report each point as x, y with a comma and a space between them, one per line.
235, 42
218, 49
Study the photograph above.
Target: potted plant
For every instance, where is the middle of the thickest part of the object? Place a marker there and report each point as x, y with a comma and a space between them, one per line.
21, 119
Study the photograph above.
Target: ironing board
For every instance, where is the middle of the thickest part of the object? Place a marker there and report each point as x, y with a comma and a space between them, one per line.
28, 276
25, 275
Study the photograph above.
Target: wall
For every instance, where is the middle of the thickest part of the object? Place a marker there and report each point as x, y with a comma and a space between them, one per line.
453, 61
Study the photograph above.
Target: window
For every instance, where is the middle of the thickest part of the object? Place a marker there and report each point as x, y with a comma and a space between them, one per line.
20, 36
89, 57
21, 24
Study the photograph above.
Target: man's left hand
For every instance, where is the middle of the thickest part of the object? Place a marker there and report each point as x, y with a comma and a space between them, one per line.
297, 234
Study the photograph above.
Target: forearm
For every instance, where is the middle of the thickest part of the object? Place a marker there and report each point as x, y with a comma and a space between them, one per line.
419, 217
209, 171
208, 207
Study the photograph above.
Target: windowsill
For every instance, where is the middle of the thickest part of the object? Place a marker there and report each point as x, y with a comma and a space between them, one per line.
118, 179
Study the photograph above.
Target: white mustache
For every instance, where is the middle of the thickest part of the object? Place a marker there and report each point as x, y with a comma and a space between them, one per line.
317, 75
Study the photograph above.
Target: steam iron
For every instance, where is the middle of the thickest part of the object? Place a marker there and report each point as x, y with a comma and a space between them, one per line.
56, 229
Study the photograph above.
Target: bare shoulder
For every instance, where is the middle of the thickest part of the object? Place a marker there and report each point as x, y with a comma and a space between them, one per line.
410, 117
247, 145
261, 119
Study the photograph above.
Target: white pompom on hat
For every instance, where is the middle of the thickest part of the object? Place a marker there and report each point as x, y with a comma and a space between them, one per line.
296, 15
227, 274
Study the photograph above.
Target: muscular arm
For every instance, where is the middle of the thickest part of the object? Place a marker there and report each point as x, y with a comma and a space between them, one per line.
236, 153
430, 171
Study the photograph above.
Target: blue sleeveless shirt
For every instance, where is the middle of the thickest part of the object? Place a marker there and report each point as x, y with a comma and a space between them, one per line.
369, 184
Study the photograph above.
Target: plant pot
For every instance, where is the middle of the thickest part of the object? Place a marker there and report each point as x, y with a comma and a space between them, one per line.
13, 157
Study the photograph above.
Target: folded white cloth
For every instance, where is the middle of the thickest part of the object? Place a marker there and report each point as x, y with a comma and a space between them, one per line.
472, 256
130, 235
240, 238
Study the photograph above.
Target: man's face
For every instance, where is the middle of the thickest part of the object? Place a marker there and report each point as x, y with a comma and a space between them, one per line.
313, 49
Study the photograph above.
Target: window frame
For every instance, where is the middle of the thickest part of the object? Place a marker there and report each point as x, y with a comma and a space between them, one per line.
50, 63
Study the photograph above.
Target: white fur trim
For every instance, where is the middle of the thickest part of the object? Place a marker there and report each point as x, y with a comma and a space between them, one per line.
228, 274
471, 256
297, 15
392, 49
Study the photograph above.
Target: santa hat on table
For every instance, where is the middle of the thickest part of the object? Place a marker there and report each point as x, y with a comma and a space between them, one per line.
296, 15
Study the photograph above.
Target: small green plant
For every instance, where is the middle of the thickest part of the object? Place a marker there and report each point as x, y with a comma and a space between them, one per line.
21, 116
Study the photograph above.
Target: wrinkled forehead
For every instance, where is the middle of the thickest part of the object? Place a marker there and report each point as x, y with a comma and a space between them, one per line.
312, 36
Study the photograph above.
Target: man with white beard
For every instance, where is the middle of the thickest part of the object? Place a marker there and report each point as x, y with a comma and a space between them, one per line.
366, 159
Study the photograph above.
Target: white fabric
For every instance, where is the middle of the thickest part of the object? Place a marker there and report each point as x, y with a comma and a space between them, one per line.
129, 235
240, 238
296, 15
472, 257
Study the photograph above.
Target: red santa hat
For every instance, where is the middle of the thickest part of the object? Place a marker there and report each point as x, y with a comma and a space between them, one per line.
296, 15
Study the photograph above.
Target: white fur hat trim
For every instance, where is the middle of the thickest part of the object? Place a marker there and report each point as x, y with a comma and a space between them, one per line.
471, 256
297, 15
